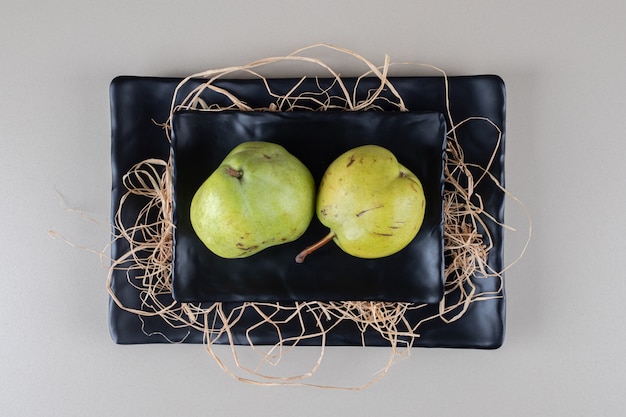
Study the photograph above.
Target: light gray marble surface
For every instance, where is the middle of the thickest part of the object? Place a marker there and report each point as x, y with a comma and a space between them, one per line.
563, 63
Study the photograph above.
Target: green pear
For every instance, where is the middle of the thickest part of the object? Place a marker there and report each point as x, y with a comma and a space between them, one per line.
372, 205
260, 196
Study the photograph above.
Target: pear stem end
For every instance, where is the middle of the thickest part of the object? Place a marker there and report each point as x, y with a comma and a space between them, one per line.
233, 172
310, 249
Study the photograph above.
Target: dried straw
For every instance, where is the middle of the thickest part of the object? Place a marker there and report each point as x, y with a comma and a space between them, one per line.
150, 236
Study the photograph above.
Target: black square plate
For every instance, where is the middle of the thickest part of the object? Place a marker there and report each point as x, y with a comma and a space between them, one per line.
200, 142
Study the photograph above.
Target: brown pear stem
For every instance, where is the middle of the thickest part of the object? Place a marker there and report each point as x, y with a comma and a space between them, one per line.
314, 247
233, 172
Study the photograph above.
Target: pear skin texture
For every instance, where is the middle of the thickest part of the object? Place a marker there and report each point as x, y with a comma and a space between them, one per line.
373, 204
260, 196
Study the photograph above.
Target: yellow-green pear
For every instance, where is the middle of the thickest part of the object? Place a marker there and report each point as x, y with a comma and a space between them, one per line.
260, 196
373, 205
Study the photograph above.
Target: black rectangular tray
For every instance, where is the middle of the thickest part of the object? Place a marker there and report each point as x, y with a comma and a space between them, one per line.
138, 103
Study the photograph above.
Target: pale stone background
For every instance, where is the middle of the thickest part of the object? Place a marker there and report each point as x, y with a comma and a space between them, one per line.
564, 65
